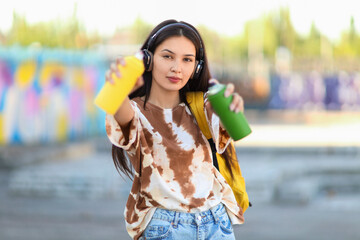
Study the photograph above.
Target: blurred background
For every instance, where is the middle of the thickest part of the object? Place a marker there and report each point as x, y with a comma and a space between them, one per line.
296, 64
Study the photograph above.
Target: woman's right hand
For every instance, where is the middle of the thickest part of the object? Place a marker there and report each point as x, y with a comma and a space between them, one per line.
125, 112
114, 73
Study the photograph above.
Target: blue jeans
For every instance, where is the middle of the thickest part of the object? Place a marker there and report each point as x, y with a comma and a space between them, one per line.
213, 224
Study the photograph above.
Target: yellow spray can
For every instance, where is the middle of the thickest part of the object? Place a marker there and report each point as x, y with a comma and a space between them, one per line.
112, 95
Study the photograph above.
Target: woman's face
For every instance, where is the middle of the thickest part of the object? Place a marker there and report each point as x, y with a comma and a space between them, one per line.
174, 62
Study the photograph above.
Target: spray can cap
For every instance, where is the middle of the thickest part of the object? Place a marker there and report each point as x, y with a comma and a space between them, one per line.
139, 55
215, 89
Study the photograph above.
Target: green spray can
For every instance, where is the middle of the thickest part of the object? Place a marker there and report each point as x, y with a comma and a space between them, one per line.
235, 123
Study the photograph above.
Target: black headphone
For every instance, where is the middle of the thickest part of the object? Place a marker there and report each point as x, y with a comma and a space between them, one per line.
148, 56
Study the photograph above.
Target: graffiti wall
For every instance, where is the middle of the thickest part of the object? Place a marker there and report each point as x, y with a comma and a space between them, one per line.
339, 91
47, 95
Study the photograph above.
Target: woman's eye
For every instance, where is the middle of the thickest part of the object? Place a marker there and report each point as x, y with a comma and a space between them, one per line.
188, 60
167, 56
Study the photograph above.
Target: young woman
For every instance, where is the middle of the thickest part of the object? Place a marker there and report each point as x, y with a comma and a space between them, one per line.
177, 193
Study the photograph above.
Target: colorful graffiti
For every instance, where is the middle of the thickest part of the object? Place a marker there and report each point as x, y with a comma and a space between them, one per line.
338, 91
47, 95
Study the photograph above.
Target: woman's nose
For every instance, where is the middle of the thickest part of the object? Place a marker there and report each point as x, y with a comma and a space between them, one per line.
176, 67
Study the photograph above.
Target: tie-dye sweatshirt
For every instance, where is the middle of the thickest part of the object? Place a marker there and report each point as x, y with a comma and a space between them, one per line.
172, 163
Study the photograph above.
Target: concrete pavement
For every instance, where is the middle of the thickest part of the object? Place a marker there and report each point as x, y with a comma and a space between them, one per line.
85, 199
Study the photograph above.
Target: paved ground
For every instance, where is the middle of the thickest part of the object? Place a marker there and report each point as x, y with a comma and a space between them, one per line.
52, 219
84, 213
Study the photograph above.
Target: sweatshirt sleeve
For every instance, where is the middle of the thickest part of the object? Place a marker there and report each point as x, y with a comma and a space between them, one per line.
127, 137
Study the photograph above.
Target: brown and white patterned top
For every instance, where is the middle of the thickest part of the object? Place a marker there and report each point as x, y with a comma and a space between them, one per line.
172, 162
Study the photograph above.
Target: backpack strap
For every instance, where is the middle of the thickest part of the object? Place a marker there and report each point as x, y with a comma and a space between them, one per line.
196, 102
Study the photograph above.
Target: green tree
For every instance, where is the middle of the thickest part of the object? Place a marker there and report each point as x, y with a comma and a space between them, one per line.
213, 41
284, 29
349, 45
271, 41
68, 34
140, 30
309, 46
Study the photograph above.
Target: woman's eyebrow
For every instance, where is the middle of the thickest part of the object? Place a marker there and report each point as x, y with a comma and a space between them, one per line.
187, 55
167, 50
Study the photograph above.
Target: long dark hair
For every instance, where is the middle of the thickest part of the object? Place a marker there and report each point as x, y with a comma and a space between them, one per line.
199, 84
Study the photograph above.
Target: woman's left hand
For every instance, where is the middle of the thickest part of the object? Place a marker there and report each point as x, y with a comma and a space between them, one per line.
237, 104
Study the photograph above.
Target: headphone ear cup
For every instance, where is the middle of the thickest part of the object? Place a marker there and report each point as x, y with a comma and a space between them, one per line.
148, 60
197, 69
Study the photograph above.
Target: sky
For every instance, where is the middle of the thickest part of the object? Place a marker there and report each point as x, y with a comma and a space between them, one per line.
227, 17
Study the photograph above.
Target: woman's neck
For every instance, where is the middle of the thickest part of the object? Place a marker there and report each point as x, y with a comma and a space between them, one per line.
164, 99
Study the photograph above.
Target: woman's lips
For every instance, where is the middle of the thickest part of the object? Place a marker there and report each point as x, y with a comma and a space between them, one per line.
174, 79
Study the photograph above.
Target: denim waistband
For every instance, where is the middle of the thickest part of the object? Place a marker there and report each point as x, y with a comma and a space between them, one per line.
176, 217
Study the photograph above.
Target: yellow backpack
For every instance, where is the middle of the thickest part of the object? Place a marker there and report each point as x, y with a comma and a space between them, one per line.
237, 183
